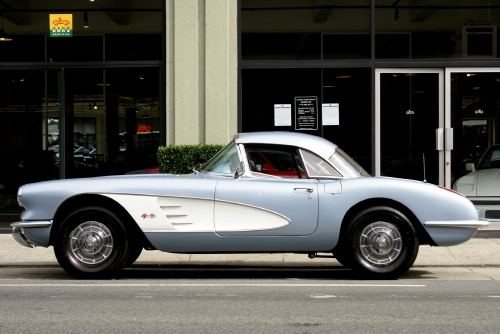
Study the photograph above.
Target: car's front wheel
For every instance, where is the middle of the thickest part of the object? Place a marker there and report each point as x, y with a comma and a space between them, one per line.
382, 243
92, 242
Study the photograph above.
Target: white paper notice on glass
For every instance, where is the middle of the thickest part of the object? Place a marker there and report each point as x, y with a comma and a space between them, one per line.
330, 113
282, 115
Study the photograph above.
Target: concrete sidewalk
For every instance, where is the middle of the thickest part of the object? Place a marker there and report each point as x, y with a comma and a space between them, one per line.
475, 252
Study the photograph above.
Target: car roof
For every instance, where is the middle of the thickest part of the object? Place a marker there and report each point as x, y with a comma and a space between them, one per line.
318, 145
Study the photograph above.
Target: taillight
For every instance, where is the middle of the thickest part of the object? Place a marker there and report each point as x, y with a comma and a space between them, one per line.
451, 190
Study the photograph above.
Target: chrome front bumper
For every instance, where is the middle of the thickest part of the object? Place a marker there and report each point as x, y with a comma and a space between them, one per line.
18, 232
19, 236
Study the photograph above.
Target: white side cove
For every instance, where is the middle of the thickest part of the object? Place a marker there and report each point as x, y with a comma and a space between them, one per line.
168, 214
185, 214
235, 217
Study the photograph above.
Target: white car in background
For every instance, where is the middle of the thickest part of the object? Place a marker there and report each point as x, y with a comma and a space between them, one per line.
482, 185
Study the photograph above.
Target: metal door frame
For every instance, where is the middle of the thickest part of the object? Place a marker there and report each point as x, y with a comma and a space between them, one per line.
443, 169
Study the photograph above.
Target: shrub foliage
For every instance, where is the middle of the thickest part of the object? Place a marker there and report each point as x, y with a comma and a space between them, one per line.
181, 159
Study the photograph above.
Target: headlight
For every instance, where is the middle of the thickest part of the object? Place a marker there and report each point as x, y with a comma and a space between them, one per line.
20, 197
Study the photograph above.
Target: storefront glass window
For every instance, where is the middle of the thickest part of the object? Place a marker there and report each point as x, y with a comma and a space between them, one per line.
111, 114
475, 111
23, 48
305, 30
76, 48
28, 128
339, 98
437, 29
114, 115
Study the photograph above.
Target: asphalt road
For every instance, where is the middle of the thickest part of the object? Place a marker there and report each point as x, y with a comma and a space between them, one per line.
245, 305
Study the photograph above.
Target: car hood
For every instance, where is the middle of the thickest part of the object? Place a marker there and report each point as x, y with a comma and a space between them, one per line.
488, 182
484, 182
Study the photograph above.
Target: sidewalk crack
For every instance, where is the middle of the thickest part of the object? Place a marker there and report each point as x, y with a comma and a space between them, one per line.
475, 272
454, 258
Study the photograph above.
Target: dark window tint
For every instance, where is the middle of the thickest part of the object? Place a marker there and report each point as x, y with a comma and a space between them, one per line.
133, 47
23, 48
432, 44
76, 48
392, 46
346, 46
280, 46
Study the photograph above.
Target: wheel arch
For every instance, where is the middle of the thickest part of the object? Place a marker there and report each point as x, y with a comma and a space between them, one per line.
84, 200
422, 235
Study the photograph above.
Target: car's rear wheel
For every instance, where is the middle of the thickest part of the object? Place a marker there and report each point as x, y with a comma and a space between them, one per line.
92, 242
382, 243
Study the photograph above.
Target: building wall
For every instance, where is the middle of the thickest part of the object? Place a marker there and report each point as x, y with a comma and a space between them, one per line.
202, 71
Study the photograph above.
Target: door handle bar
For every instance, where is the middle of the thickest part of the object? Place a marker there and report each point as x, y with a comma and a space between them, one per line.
309, 190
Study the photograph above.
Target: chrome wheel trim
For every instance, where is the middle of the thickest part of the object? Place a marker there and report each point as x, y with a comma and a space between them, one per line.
91, 243
380, 243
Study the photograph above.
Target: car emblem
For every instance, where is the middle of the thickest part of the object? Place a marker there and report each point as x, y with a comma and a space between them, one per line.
145, 215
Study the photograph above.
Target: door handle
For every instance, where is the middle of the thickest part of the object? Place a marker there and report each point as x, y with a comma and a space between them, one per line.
309, 190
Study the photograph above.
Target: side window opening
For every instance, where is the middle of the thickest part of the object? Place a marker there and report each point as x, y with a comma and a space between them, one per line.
275, 160
317, 167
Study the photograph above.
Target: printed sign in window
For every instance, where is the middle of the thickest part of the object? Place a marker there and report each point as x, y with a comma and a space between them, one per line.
306, 113
330, 113
282, 115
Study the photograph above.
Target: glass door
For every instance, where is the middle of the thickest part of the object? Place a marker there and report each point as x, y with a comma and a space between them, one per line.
474, 110
29, 129
409, 124
112, 121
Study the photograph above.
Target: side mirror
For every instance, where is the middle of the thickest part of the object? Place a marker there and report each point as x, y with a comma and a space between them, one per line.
470, 167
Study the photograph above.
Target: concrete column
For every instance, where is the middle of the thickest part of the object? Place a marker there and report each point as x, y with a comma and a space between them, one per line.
201, 71
221, 64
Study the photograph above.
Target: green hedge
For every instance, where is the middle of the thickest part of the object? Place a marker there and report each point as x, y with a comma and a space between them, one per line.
181, 159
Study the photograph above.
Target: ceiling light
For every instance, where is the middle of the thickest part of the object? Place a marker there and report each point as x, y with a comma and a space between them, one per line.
95, 106
471, 74
3, 35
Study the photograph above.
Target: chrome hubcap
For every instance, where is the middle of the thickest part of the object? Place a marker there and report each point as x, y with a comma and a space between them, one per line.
380, 243
91, 242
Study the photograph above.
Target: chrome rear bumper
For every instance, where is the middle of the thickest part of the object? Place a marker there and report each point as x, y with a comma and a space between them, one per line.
455, 223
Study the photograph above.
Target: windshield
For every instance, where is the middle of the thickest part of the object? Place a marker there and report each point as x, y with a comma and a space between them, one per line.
490, 159
347, 165
225, 162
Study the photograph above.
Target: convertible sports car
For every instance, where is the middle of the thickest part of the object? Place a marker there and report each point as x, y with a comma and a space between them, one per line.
325, 203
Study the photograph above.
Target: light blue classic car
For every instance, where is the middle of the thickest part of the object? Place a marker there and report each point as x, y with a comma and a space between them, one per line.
264, 192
